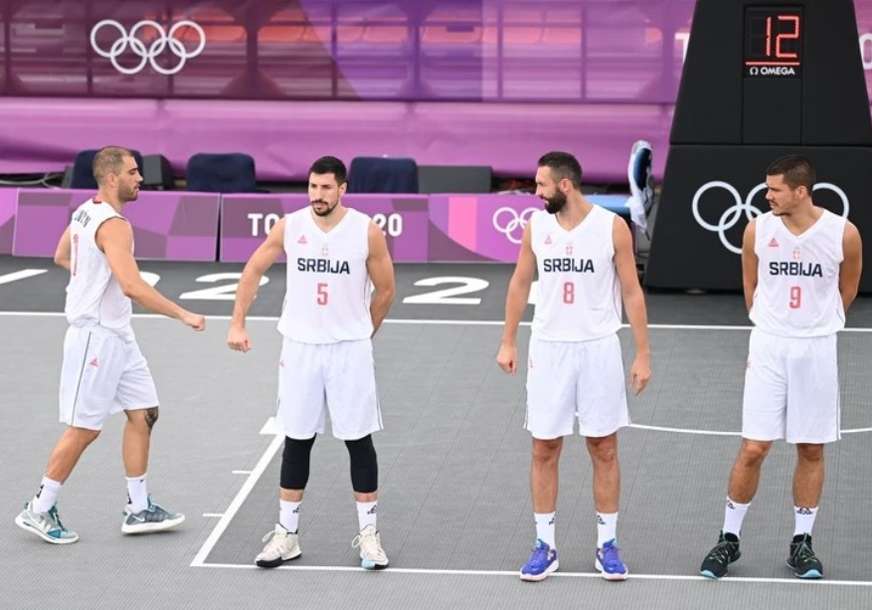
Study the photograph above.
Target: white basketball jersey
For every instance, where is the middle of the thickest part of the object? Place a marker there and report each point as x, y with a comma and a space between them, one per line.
328, 293
579, 292
94, 296
797, 291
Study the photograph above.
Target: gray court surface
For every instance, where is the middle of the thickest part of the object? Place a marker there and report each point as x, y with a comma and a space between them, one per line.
454, 511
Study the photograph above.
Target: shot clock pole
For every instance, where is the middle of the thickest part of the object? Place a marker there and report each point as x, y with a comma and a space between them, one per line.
761, 79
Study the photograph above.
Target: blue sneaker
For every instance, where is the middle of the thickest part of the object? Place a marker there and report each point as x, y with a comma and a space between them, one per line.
542, 562
609, 564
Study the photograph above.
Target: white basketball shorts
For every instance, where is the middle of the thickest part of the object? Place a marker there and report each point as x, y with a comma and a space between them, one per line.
581, 380
791, 389
338, 378
102, 374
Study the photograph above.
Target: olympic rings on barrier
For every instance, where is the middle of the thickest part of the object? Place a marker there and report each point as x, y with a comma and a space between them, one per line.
515, 221
148, 54
732, 214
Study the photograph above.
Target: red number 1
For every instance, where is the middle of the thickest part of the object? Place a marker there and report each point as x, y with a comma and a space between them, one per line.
322, 293
75, 256
795, 297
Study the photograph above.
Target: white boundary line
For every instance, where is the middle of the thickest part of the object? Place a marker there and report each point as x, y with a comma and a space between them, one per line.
514, 574
421, 321
240, 497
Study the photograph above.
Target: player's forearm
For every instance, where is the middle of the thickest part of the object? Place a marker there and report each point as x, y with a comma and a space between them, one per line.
246, 292
749, 289
62, 261
637, 314
516, 303
848, 295
152, 300
379, 307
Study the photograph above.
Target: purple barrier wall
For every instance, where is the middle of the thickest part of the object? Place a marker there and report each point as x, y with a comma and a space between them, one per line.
166, 226
7, 219
441, 228
246, 219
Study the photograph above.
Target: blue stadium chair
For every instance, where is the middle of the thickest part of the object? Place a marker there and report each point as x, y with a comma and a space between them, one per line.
83, 169
221, 173
382, 175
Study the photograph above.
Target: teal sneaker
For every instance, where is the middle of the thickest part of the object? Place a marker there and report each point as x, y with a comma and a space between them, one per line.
47, 526
155, 518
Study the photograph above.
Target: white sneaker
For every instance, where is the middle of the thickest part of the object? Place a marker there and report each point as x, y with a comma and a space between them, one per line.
372, 555
281, 546
47, 526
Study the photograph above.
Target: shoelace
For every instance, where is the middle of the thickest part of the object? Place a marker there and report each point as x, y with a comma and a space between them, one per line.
540, 554
721, 553
53, 513
369, 544
610, 556
803, 552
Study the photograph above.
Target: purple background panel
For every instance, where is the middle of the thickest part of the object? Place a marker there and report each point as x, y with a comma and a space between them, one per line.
7, 218
473, 82
486, 227
166, 225
246, 219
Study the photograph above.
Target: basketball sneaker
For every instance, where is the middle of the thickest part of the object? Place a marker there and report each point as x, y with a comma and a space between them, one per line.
725, 552
153, 518
543, 561
47, 526
802, 560
281, 546
372, 555
608, 562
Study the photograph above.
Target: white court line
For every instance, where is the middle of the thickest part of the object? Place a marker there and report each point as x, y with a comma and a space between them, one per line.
240, 497
514, 574
240, 472
421, 321
20, 275
718, 432
213, 515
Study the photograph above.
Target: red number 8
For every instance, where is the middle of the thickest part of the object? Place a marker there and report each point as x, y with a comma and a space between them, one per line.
568, 292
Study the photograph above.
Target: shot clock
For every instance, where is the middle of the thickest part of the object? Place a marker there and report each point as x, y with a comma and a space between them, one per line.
762, 79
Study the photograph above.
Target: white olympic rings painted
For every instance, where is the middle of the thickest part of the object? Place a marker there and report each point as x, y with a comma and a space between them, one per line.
732, 214
516, 221
148, 55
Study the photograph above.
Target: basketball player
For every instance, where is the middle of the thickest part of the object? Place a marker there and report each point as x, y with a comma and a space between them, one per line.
801, 271
584, 257
335, 256
103, 370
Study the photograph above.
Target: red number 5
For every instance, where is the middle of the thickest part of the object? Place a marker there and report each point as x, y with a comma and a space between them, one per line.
795, 297
322, 293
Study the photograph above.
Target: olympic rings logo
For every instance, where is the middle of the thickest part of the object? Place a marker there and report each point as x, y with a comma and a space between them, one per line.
731, 215
513, 228
148, 54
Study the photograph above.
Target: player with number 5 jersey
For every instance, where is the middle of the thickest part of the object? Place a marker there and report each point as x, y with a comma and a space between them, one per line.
584, 258
340, 285
801, 269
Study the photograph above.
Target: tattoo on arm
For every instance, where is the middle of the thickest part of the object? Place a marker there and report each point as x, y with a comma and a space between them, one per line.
151, 417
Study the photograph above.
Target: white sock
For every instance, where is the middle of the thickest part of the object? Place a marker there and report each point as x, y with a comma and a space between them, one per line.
289, 515
545, 527
366, 514
804, 519
734, 514
47, 495
606, 528
137, 492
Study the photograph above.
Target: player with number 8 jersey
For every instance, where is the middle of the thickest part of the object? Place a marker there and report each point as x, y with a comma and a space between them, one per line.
575, 371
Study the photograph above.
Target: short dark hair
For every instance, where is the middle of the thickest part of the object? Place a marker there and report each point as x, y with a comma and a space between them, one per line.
562, 165
330, 165
108, 160
797, 170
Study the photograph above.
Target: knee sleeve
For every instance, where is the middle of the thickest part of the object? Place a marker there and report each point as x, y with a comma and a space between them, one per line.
364, 465
295, 463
